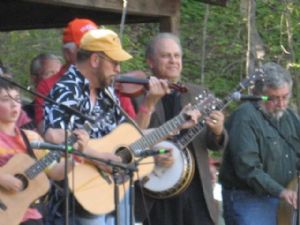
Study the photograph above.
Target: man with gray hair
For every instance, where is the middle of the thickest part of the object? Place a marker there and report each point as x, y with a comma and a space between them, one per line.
43, 66
194, 204
261, 157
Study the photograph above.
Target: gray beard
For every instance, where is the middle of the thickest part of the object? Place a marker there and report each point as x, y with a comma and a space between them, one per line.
274, 115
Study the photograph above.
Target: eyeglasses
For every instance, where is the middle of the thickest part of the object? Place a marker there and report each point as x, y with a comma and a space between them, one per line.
113, 62
277, 99
8, 99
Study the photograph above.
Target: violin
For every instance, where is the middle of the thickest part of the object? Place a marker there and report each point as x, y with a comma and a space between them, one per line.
135, 83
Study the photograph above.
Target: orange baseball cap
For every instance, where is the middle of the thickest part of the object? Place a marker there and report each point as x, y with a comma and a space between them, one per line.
76, 28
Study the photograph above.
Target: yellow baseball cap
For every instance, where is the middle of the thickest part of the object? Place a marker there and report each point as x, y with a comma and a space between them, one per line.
104, 40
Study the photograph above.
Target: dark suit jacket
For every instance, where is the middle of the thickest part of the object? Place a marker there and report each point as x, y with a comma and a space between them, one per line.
199, 145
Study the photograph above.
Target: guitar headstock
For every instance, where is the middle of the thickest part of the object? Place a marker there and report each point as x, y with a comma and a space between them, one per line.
250, 80
207, 102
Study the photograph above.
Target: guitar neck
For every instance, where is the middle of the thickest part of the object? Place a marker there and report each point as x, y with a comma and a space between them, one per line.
158, 134
191, 133
42, 164
163, 131
47, 160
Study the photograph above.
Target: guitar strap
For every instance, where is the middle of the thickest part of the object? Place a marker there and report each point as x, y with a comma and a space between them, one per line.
27, 143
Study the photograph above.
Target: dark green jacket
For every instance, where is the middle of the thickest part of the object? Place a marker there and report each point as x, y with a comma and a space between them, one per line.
257, 158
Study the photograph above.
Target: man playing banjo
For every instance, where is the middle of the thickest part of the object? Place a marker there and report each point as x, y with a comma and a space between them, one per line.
195, 204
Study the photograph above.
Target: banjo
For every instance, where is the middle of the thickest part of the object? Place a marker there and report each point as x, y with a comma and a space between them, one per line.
168, 182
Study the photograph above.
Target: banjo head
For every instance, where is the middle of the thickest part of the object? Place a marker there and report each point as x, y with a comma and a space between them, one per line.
168, 182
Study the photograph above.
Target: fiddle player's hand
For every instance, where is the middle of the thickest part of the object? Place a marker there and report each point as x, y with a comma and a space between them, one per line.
193, 116
164, 160
11, 183
290, 197
215, 121
82, 139
157, 89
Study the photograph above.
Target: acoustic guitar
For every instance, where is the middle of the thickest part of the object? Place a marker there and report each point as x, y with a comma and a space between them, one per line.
13, 205
95, 190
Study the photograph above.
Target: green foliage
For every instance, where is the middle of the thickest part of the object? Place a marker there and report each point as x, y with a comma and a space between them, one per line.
19, 47
225, 44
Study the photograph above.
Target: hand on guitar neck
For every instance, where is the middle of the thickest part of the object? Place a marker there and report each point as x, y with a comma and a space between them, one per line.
215, 122
192, 117
290, 197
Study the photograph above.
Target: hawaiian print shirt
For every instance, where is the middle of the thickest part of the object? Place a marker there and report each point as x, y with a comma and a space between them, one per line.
73, 90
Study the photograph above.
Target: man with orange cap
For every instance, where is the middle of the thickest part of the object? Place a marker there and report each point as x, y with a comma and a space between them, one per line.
71, 38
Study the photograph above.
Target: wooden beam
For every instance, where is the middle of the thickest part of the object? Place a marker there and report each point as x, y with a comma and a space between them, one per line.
171, 23
136, 7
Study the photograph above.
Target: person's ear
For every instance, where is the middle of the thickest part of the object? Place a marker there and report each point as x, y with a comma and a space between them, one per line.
94, 60
150, 63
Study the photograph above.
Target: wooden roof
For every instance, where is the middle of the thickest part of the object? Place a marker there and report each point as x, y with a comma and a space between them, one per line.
32, 14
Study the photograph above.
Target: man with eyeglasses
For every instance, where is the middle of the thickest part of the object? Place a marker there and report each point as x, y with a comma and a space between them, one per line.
262, 154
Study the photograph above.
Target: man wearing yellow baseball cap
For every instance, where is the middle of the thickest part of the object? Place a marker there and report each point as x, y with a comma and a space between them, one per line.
72, 35
86, 87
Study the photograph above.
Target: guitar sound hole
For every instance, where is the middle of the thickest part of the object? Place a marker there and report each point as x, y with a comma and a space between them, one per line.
23, 179
125, 155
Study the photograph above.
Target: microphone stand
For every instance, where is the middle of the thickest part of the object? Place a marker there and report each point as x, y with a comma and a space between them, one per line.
69, 112
130, 172
298, 194
116, 195
66, 180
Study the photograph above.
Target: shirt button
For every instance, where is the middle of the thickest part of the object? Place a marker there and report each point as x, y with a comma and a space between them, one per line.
290, 172
275, 143
286, 156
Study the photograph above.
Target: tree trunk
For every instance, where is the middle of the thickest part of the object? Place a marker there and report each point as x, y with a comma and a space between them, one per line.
289, 52
203, 50
255, 51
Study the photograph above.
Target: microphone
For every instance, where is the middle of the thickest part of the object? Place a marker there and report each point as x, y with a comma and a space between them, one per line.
49, 146
237, 96
151, 152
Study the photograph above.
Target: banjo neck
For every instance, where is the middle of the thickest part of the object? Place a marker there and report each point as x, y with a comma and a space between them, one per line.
212, 104
163, 131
